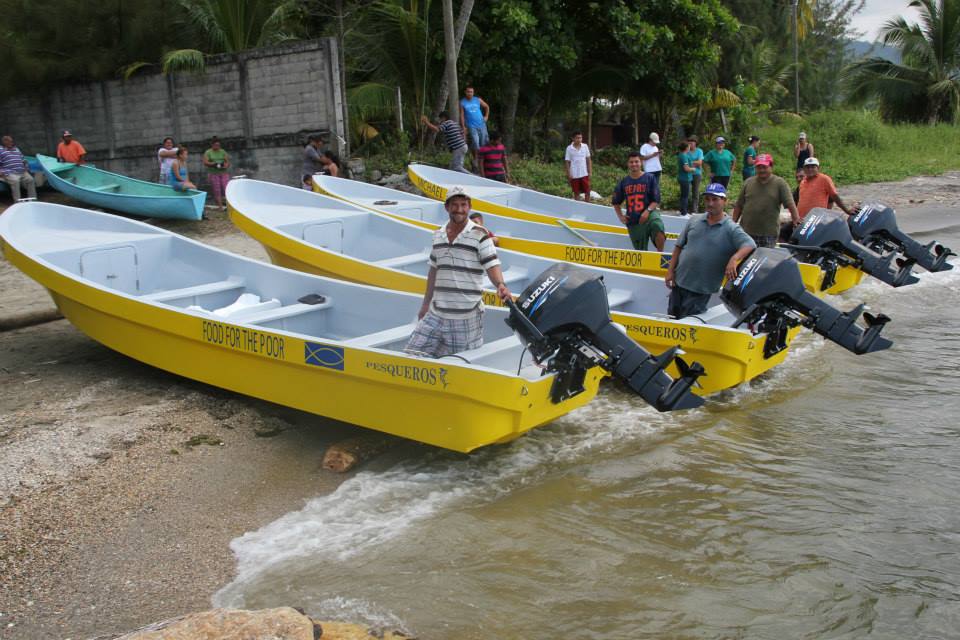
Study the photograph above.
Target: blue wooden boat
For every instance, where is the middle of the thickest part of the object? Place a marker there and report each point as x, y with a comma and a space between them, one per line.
121, 193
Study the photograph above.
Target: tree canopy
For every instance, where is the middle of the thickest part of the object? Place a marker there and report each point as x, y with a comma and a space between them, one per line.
544, 65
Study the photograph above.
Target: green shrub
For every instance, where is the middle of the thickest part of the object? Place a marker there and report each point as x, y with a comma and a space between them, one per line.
615, 156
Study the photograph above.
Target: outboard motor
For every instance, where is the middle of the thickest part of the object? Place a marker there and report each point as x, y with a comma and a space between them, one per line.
824, 239
875, 225
564, 319
768, 295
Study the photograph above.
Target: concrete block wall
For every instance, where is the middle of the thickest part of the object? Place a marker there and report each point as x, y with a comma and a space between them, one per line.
261, 103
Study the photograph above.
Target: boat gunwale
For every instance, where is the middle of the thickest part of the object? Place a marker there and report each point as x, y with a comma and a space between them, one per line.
7, 245
308, 247
190, 194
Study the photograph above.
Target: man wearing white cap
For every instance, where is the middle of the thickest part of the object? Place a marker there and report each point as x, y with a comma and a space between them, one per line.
650, 154
709, 248
69, 150
721, 162
817, 190
802, 150
451, 317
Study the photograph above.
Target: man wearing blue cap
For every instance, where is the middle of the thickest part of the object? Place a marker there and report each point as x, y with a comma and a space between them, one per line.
712, 246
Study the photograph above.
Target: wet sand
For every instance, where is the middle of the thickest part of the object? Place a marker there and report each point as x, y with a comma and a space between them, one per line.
108, 519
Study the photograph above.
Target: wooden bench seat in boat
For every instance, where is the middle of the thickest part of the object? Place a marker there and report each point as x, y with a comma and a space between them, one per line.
403, 261
288, 311
244, 313
619, 297
487, 349
513, 274
197, 290
105, 187
382, 337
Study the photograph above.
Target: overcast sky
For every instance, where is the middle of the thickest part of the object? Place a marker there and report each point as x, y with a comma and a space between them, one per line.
877, 12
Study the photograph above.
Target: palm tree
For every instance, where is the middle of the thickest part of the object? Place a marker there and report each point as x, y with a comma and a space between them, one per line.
393, 44
806, 17
228, 26
925, 85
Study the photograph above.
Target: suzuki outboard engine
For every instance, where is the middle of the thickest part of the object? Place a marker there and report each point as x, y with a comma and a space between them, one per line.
824, 239
564, 319
768, 295
875, 225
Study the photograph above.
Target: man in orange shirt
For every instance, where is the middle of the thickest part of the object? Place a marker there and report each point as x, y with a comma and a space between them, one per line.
817, 190
70, 150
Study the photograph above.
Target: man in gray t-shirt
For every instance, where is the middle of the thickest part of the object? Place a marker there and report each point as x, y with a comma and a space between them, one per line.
311, 160
711, 245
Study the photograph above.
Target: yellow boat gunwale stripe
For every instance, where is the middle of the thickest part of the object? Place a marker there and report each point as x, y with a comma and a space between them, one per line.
731, 356
502, 391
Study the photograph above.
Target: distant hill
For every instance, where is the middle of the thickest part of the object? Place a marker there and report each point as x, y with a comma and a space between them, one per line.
862, 49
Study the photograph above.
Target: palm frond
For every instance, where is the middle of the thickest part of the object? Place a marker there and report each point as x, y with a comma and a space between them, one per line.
186, 60
126, 72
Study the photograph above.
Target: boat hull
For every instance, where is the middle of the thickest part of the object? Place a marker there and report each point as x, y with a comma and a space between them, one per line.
620, 259
156, 201
439, 192
456, 408
729, 356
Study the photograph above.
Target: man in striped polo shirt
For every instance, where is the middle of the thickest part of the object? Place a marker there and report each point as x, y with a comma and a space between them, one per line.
493, 159
451, 318
14, 170
453, 136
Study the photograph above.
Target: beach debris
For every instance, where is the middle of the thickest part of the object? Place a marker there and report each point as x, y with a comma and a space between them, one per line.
204, 438
347, 454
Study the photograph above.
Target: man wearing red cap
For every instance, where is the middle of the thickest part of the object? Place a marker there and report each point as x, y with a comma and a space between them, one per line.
69, 150
758, 207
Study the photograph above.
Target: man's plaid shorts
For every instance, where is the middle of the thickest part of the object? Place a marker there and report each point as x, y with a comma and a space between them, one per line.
435, 336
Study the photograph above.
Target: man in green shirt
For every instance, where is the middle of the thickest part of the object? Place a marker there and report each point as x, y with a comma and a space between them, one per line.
721, 162
216, 160
758, 207
750, 157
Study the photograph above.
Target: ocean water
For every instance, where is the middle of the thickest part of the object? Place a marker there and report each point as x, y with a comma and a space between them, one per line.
820, 501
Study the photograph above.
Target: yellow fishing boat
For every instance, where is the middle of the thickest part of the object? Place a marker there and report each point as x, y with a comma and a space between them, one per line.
511, 201
554, 241
328, 236
319, 345
491, 196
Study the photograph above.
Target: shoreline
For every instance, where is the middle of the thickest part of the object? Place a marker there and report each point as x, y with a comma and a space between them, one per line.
108, 520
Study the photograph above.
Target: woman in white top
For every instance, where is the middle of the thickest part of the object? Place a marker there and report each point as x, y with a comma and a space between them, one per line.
166, 154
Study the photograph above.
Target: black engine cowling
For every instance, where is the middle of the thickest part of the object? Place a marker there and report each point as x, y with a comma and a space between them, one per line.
564, 319
768, 295
825, 239
875, 225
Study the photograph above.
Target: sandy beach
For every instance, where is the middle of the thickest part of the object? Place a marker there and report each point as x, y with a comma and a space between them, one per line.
121, 486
